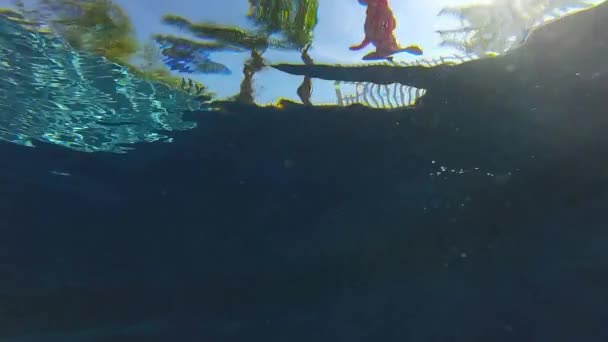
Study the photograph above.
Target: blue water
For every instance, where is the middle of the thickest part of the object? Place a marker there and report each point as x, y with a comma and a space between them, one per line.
132, 211
52, 93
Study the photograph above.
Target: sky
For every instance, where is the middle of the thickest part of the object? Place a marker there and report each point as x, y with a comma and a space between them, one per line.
340, 24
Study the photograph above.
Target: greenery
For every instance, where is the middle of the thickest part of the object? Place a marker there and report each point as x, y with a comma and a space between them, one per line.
294, 20
234, 37
102, 27
97, 26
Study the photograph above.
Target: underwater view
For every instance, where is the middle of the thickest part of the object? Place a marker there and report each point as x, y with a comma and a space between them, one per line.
303, 170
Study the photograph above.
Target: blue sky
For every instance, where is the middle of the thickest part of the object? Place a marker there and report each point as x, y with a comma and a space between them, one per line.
340, 25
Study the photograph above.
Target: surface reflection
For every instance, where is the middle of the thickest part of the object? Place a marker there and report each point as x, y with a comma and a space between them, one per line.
209, 42
500, 25
292, 24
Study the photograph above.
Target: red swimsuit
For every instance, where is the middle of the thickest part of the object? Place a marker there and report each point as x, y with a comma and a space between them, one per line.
379, 26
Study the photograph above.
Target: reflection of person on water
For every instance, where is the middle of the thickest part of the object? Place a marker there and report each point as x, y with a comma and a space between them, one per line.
305, 89
379, 26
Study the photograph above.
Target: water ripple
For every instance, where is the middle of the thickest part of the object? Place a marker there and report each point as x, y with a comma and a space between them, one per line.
51, 93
